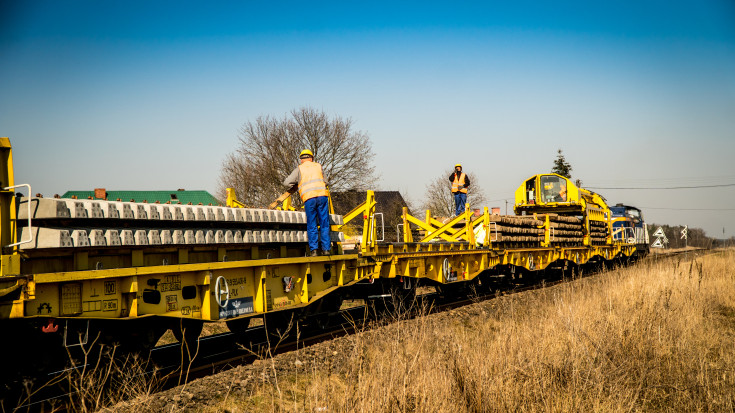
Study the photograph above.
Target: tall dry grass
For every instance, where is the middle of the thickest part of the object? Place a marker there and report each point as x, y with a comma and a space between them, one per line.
95, 380
654, 337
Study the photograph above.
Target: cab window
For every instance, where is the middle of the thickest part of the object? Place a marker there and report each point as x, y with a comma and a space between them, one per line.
530, 191
553, 189
635, 215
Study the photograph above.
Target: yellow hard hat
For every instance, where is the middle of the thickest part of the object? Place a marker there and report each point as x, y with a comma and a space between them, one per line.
306, 152
459, 164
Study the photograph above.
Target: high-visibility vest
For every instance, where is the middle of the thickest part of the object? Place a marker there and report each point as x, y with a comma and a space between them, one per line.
311, 184
458, 184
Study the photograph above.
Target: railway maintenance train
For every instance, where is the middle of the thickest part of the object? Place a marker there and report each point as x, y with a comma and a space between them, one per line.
76, 272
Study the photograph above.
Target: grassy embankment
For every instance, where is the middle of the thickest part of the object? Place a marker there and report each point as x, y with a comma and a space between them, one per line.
655, 337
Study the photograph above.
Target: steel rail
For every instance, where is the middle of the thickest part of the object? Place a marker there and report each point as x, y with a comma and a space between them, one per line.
220, 352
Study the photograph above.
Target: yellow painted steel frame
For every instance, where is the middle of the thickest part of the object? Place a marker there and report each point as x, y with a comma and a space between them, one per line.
547, 229
207, 291
286, 205
428, 260
225, 290
8, 232
446, 231
232, 201
10, 282
369, 245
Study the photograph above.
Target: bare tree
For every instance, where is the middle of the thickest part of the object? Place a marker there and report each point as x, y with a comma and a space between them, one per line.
268, 151
440, 200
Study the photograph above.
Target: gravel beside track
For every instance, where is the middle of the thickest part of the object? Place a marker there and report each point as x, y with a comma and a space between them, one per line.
207, 393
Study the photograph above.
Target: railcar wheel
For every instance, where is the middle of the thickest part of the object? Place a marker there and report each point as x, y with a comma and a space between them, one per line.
281, 323
239, 326
187, 331
137, 336
452, 291
481, 285
324, 314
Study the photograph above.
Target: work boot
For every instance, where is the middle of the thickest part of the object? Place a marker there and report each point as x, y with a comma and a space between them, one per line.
314, 253
326, 252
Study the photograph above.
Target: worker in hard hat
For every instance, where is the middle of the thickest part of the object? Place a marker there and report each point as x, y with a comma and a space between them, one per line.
460, 182
561, 195
314, 194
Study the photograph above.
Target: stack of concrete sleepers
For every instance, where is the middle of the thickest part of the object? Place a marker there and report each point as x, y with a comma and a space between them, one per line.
72, 223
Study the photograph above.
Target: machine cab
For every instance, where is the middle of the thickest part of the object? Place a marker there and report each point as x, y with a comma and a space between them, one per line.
553, 188
544, 190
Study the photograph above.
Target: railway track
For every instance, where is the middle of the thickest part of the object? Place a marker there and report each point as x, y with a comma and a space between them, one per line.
228, 351
171, 365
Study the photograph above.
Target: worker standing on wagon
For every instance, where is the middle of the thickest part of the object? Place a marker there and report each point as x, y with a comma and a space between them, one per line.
314, 194
460, 181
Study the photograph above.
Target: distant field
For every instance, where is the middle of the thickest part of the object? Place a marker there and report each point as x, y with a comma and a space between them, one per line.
656, 337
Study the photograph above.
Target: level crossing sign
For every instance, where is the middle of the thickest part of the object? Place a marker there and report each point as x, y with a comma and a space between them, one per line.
684, 235
661, 239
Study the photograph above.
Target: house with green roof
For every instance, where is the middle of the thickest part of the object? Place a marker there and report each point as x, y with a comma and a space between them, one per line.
179, 196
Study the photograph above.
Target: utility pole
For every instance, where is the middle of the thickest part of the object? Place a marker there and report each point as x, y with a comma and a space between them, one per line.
506, 211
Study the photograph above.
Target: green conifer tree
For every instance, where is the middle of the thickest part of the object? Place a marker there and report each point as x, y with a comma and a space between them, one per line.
561, 166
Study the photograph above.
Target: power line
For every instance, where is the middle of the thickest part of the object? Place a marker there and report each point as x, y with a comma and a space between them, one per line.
642, 181
670, 187
692, 209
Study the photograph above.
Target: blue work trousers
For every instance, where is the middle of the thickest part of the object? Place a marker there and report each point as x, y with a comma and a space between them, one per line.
460, 199
317, 215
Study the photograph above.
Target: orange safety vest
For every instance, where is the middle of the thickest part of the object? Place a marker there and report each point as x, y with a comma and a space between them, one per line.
458, 184
311, 184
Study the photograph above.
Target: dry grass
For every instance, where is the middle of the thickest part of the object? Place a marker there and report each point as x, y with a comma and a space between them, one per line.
649, 338
92, 383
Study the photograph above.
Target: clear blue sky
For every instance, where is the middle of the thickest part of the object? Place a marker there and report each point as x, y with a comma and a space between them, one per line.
149, 95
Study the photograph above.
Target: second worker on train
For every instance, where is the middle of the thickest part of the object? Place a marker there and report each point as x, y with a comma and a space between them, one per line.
460, 182
314, 194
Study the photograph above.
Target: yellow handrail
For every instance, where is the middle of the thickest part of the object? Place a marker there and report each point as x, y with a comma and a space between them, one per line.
367, 210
